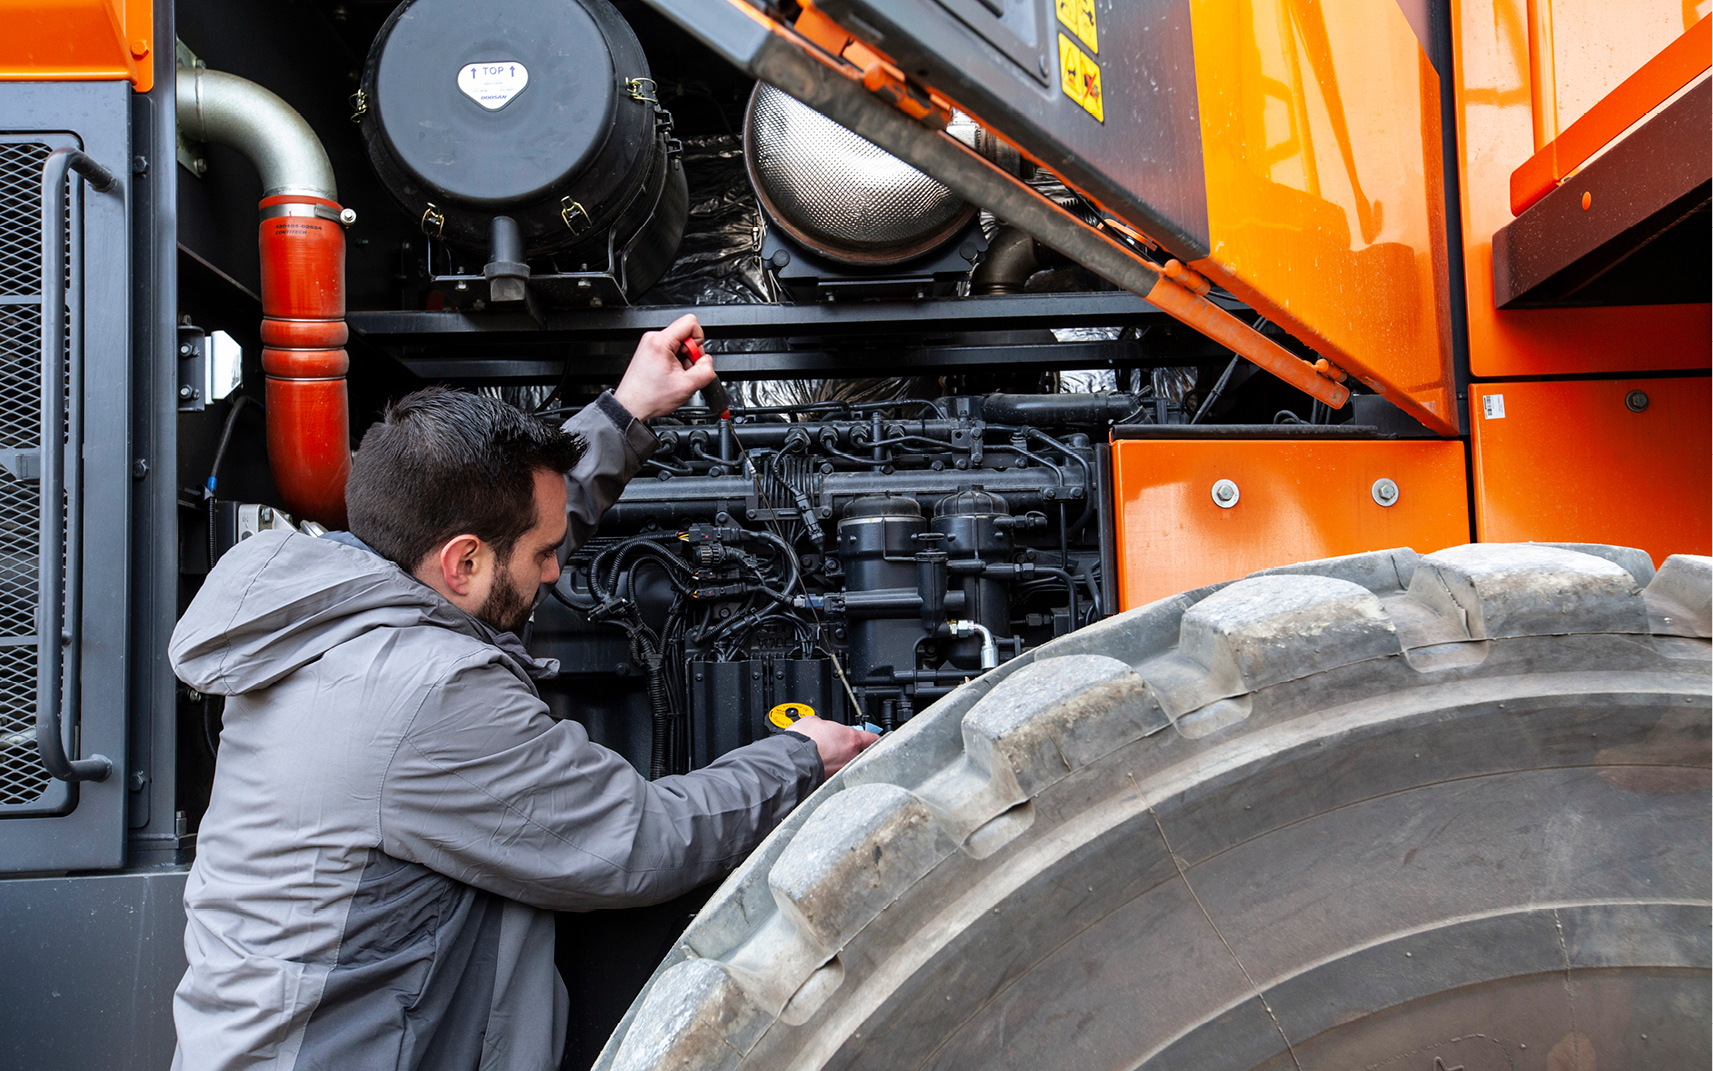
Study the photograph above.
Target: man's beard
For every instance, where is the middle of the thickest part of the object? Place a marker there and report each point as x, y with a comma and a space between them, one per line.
507, 607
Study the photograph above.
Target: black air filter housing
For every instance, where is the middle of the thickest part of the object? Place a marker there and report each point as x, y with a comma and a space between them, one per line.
537, 110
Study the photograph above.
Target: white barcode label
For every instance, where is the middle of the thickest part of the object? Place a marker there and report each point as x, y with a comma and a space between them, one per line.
1493, 406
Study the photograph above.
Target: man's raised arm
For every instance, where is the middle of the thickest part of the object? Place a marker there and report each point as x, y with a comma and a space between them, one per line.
618, 442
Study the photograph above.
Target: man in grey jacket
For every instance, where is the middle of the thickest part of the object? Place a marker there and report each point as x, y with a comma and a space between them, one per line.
395, 816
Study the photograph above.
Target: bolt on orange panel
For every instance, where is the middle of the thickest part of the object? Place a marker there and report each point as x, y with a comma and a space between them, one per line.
1193, 512
78, 40
1508, 99
1624, 461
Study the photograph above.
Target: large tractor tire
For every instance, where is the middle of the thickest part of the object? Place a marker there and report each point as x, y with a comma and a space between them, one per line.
1378, 812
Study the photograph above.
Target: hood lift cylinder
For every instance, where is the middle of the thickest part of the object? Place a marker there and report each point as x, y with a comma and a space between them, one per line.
302, 245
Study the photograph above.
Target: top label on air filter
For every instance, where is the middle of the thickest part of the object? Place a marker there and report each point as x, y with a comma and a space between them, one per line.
493, 85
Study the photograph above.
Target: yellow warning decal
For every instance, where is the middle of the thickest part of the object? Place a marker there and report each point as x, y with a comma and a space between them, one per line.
781, 716
1078, 16
1079, 77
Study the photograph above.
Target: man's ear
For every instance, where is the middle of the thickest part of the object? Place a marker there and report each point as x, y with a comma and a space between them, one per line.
458, 563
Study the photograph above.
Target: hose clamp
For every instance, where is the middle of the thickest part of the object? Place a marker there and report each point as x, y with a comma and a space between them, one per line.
359, 105
651, 95
433, 221
576, 217
342, 216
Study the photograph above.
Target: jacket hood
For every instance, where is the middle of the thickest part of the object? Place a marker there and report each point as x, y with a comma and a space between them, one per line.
280, 600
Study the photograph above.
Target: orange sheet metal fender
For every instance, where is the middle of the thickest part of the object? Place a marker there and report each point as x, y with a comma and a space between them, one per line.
1510, 104
303, 355
78, 40
1193, 512
1624, 461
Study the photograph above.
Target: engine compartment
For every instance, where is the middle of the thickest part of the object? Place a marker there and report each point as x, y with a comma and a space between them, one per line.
856, 562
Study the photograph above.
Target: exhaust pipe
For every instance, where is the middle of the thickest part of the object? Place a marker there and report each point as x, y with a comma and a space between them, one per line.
302, 243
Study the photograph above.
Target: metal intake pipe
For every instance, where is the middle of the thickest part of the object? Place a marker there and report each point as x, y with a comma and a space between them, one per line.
1011, 259
302, 244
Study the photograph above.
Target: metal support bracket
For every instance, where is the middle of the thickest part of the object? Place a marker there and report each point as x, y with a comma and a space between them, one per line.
22, 464
210, 368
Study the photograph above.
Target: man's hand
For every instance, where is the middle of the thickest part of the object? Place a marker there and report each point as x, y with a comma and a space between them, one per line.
838, 744
657, 383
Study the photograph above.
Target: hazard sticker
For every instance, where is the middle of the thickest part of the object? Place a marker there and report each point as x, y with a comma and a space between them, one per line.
1078, 16
1079, 77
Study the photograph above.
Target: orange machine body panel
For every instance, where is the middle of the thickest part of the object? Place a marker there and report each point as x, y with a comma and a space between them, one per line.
1678, 64
1325, 206
1297, 500
1570, 462
78, 40
1526, 70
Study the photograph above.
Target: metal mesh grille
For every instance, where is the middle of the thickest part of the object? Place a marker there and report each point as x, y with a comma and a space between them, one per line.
837, 186
22, 778
21, 217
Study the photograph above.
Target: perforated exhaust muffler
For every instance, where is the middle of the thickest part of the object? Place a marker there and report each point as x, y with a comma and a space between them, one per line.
841, 196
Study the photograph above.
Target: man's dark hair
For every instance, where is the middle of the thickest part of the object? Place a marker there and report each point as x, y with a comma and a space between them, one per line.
441, 463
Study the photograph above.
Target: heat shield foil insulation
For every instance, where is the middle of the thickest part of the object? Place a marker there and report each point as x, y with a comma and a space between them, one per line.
719, 260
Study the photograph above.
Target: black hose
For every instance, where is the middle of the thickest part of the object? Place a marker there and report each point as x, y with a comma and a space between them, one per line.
214, 472
1218, 389
1010, 261
1070, 587
794, 575
660, 706
602, 580
568, 602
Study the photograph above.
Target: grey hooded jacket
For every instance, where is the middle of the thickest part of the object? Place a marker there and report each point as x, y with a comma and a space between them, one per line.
395, 816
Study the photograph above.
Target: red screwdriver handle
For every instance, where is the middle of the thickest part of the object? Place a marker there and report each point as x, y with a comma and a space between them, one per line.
714, 393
